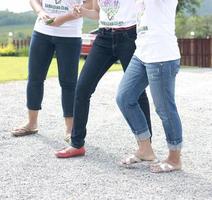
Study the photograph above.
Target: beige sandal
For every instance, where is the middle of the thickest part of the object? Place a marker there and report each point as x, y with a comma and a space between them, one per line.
67, 138
23, 131
163, 167
134, 159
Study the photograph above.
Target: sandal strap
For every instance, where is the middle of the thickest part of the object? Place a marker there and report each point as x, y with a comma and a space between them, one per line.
166, 166
132, 159
163, 167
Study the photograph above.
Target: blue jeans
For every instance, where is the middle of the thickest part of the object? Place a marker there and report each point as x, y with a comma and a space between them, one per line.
161, 79
108, 47
42, 49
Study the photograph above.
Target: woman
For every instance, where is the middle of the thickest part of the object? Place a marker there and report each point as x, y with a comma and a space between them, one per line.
57, 30
115, 41
155, 63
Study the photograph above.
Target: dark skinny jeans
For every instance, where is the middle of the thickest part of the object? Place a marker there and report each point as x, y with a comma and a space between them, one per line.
108, 47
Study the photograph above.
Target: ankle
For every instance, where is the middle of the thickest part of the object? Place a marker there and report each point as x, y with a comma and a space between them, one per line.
31, 125
145, 149
68, 131
174, 158
175, 162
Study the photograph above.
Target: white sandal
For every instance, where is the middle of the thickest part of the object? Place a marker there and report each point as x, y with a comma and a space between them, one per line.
163, 167
133, 159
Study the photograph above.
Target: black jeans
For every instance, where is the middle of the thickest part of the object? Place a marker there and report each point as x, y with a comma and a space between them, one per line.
108, 47
42, 49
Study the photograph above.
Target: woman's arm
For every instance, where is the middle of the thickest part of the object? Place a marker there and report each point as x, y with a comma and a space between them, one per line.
37, 7
59, 20
88, 4
71, 15
89, 12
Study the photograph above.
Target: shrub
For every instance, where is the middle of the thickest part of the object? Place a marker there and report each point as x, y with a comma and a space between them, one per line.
9, 50
23, 51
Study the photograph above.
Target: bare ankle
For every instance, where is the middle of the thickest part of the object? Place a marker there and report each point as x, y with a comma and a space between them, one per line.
31, 125
145, 149
174, 157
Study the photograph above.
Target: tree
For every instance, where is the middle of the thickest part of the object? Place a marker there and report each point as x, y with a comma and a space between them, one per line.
188, 6
200, 25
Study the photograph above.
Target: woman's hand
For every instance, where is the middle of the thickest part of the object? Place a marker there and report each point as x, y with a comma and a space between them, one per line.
80, 10
84, 11
57, 21
77, 11
60, 20
42, 15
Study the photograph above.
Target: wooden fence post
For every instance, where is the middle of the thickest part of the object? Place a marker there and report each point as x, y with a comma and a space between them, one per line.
210, 54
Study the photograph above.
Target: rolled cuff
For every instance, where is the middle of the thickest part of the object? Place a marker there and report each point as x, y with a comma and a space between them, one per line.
142, 136
175, 147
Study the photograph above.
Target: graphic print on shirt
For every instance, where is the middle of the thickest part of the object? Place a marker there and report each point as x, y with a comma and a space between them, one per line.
141, 28
58, 1
110, 7
59, 6
55, 7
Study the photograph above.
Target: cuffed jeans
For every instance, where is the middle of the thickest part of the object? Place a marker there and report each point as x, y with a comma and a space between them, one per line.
108, 47
161, 79
42, 49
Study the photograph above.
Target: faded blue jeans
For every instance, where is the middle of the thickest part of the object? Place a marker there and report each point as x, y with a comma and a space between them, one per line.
161, 79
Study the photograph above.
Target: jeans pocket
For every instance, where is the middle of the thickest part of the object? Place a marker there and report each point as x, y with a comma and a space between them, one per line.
130, 36
153, 72
175, 67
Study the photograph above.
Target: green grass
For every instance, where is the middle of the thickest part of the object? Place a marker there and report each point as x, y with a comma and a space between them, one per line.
15, 68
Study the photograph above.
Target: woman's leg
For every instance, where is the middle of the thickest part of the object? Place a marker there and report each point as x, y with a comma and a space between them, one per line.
32, 119
126, 50
161, 78
131, 87
97, 63
41, 52
143, 99
68, 53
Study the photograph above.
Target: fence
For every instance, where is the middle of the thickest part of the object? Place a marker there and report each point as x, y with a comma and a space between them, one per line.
19, 44
194, 52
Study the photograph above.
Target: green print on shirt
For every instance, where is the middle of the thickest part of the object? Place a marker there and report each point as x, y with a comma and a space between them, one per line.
58, 1
112, 23
110, 7
141, 28
56, 7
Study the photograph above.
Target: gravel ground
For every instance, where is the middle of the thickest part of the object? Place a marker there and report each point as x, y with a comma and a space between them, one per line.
30, 171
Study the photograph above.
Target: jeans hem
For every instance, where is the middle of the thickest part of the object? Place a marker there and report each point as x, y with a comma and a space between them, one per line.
68, 115
33, 108
175, 147
76, 146
142, 135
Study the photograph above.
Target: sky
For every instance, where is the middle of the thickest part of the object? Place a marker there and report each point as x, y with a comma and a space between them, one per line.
15, 5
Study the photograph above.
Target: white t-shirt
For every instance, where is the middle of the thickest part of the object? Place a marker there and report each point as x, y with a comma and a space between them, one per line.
54, 8
156, 39
117, 13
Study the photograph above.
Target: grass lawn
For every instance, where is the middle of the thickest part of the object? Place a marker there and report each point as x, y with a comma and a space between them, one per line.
15, 68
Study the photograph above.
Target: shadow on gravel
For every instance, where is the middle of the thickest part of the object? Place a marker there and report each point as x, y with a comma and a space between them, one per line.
54, 144
175, 182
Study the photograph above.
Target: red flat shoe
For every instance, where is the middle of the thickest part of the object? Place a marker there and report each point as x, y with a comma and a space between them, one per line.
70, 152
